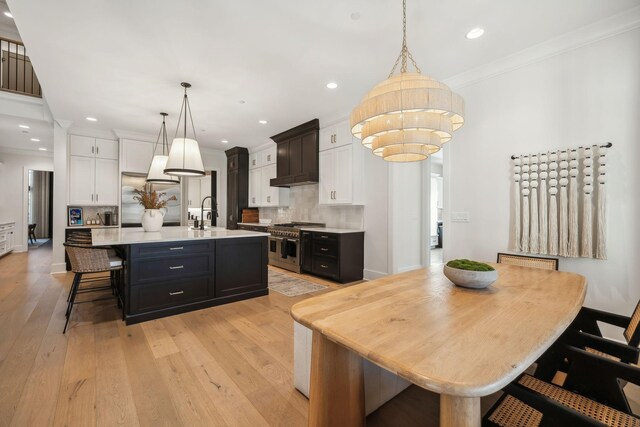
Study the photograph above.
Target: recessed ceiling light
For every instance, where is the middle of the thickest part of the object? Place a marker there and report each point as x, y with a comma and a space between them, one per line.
23, 126
355, 16
35, 140
241, 101
332, 85
475, 33
224, 141
262, 122
92, 119
42, 149
8, 14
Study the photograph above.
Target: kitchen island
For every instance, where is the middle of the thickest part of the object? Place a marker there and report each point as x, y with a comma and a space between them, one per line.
178, 269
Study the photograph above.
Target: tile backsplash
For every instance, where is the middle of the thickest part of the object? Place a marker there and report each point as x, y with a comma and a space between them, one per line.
304, 207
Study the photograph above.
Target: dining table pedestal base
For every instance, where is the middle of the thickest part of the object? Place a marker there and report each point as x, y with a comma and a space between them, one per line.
336, 395
458, 411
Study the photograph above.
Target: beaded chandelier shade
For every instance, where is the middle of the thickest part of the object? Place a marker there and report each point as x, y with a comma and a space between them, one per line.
409, 116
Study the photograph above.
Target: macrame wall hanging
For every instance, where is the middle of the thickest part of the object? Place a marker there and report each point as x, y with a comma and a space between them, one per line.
547, 215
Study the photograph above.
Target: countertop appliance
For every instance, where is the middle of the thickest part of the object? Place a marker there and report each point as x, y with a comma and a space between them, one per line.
131, 213
284, 244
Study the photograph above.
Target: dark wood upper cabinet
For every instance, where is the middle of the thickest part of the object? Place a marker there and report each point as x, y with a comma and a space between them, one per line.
297, 154
237, 184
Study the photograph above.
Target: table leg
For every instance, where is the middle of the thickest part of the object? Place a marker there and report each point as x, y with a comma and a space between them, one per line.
337, 385
457, 411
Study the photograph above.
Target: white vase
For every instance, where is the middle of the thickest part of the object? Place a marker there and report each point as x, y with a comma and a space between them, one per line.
152, 219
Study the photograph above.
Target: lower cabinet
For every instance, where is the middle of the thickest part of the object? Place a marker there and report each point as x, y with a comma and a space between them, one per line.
6, 238
335, 256
169, 278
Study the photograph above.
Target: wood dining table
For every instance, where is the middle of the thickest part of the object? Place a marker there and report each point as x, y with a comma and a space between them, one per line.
461, 343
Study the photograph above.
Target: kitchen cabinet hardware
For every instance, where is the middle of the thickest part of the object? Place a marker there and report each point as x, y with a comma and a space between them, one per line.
176, 293
324, 266
92, 149
176, 267
177, 248
324, 249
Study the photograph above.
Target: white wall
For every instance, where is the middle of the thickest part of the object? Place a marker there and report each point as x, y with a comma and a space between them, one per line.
376, 217
13, 189
589, 95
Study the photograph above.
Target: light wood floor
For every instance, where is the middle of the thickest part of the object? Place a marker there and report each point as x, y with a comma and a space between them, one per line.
227, 365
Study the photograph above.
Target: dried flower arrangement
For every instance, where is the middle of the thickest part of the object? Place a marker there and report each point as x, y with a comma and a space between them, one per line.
152, 199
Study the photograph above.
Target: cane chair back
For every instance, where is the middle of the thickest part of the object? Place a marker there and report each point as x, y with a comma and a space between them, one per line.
528, 261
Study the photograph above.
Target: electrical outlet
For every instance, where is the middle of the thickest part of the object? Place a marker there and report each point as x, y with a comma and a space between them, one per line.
459, 216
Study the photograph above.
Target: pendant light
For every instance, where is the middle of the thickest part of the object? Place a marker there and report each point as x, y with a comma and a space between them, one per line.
184, 157
409, 116
156, 173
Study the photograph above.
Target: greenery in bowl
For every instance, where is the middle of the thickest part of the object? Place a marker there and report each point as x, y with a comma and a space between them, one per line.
466, 264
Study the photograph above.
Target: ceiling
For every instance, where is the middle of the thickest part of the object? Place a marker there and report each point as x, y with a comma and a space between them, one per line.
12, 136
122, 61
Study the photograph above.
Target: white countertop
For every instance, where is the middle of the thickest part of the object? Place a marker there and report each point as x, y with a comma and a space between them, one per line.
91, 226
332, 230
254, 224
132, 236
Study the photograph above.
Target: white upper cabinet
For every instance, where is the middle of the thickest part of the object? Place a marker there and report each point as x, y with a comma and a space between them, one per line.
93, 171
255, 186
269, 156
82, 177
261, 194
255, 160
106, 149
205, 190
272, 196
82, 146
106, 188
341, 170
136, 155
194, 192
337, 135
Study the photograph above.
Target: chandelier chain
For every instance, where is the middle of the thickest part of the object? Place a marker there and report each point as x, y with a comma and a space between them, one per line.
404, 52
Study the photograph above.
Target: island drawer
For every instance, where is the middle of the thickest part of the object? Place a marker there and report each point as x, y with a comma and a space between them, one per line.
325, 237
171, 249
162, 295
324, 266
147, 270
328, 248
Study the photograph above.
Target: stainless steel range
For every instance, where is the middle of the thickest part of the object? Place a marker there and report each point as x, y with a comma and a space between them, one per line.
284, 244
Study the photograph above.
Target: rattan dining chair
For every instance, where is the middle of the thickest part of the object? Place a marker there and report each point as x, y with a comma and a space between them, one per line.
529, 401
89, 259
528, 261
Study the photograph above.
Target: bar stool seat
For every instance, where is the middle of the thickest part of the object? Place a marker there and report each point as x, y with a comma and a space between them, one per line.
86, 259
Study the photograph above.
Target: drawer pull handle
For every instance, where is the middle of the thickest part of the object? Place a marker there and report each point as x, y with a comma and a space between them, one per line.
324, 266
324, 236
324, 249
177, 248
177, 267
176, 293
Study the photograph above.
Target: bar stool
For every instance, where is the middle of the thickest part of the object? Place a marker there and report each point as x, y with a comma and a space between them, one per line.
89, 259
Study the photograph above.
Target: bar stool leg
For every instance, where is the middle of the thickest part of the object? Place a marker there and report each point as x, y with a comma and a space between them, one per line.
74, 286
73, 299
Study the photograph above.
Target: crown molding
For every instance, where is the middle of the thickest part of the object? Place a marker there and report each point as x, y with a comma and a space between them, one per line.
138, 136
261, 147
605, 28
64, 124
92, 132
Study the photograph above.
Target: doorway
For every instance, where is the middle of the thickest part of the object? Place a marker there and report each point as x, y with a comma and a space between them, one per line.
39, 208
436, 240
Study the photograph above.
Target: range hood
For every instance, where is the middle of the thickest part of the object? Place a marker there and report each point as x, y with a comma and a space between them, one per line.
297, 155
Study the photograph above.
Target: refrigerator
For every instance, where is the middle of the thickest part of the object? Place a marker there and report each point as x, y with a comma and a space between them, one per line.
131, 211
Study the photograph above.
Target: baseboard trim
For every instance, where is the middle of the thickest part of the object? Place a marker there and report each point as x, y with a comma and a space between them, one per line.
59, 268
19, 248
373, 274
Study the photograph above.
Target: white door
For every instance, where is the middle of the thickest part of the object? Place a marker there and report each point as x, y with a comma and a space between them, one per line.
269, 194
269, 156
254, 160
327, 177
106, 149
81, 180
194, 192
343, 175
255, 176
205, 190
82, 146
106, 178
343, 134
327, 136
